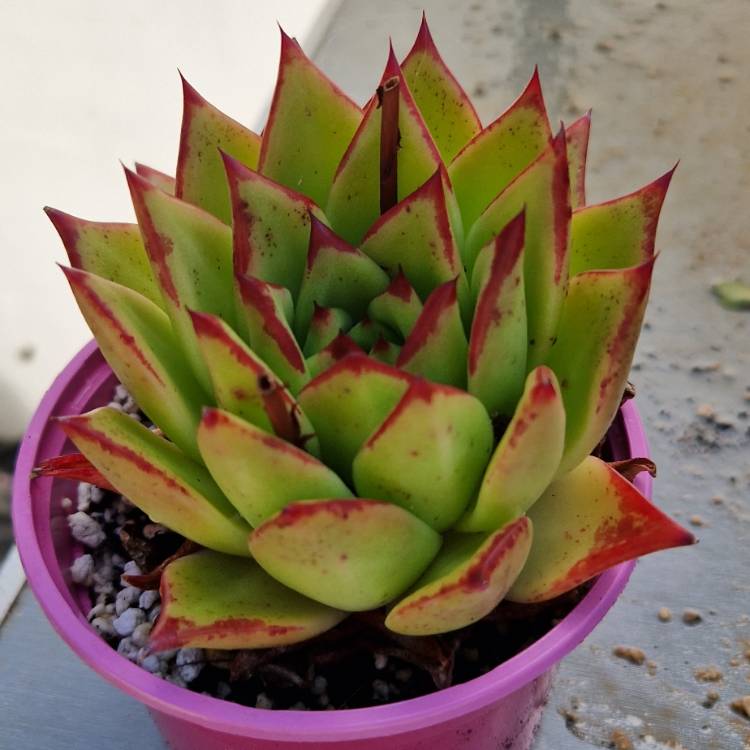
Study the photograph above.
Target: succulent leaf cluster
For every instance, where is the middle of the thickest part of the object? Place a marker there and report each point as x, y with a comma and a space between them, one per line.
378, 346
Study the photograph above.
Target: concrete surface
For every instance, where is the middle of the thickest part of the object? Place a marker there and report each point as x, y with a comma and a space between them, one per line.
666, 80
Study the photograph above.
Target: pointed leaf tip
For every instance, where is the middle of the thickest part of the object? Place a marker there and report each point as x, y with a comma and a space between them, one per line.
585, 522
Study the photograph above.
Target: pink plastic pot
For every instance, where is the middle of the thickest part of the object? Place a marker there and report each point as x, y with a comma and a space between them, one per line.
501, 709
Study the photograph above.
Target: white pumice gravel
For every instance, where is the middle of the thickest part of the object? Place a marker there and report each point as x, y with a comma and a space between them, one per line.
82, 570
86, 529
128, 649
381, 661
380, 689
88, 495
103, 625
151, 663
126, 598
128, 621
148, 599
141, 633
319, 686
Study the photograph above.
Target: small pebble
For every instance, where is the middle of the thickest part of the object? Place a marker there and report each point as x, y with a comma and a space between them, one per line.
711, 699
319, 686
154, 613
706, 411
126, 598
263, 701
705, 367
404, 675
742, 706
66, 504
652, 667
82, 570
128, 621
151, 663
708, 674
692, 617
150, 530
96, 611
189, 656
148, 599
130, 569
85, 529
664, 614
103, 625
630, 653
223, 689
381, 661
128, 649
620, 741
141, 634
189, 672
696, 520
380, 689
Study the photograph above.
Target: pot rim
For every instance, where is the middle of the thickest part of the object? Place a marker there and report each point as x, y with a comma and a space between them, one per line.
301, 726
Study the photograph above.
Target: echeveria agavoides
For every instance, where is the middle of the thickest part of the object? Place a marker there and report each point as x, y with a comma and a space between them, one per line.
378, 345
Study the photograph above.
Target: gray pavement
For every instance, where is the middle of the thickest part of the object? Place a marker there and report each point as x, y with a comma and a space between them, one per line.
666, 80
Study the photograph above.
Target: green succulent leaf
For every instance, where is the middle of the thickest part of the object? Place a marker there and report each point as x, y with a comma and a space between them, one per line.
269, 334
352, 554
493, 159
596, 339
326, 324
734, 295
577, 140
137, 341
191, 256
158, 179
543, 190
200, 172
398, 307
307, 108
618, 233
271, 226
259, 472
587, 521
155, 475
385, 351
436, 348
429, 454
337, 275
342, 346
354, 202
447, 110
244, 385
498, 341
111, 250
368, 332
210, 600
470, 576
526, 459
415, 237
347, 402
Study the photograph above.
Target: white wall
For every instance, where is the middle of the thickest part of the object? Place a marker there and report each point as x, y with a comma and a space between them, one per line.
83, 84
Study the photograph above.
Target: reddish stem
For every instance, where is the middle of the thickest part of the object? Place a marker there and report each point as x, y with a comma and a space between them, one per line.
283, 418
388, 98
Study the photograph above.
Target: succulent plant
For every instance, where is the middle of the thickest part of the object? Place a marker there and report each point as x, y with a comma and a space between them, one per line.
379, 347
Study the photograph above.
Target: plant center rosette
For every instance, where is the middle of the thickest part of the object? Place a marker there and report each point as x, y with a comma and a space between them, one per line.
378, 347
